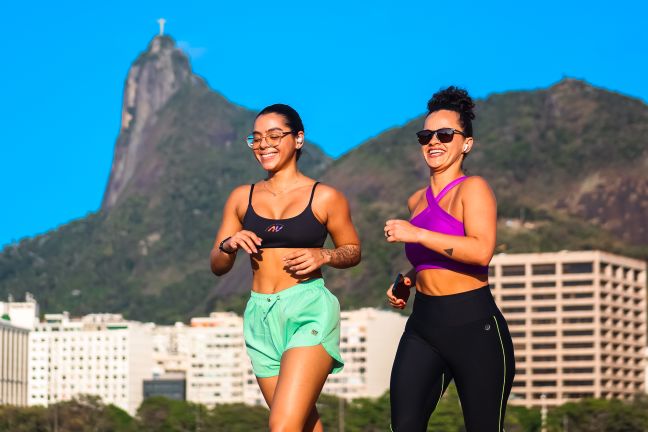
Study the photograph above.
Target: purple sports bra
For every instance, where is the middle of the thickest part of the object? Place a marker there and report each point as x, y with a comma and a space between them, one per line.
434, 218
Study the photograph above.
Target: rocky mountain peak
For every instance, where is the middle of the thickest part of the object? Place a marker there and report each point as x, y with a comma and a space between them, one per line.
155, 76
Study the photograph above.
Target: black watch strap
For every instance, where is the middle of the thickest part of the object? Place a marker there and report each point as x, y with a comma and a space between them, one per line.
221, 248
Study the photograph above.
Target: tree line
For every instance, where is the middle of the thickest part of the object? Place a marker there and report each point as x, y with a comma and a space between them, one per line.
159, 414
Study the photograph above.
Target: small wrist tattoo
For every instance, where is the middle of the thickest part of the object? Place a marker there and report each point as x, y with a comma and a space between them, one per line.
448, 251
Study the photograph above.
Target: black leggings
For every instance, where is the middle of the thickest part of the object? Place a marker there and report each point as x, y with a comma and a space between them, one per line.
462, 337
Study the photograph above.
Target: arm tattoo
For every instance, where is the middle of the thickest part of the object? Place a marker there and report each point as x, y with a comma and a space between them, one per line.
448, 251
343, 257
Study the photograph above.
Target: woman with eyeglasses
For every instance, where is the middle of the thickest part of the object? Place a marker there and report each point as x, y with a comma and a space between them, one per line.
456, 331
291, 322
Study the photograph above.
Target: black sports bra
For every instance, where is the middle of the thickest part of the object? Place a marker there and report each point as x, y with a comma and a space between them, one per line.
301, 231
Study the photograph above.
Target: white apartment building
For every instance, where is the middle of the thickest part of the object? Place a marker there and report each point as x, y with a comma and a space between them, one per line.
170, 349
217, 361
14, 351
368, 342
98, 354
22, 314
218, 369
578, 322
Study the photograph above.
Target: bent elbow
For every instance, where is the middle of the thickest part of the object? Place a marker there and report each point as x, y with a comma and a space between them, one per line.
484, 259
218, 270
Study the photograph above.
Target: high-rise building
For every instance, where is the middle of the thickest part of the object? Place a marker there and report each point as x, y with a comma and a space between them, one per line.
368, 342
217, 361
170, 349
98, 354
14, 351
578, 322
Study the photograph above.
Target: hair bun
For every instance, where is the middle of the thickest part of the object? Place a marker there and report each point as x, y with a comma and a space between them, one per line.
454, 99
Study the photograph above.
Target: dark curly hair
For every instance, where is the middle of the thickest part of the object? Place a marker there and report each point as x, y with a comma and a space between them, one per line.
293, 120
457, 100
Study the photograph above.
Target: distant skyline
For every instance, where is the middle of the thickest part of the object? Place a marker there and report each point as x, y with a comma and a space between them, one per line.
352, 70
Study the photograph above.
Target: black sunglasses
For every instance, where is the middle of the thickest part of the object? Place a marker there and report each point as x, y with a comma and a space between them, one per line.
445, 135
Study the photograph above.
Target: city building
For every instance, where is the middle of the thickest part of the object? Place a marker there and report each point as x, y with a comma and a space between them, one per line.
578, 322
21, 314
217, 360
14, 351
368, 342
171, 386
98, 354
170, 349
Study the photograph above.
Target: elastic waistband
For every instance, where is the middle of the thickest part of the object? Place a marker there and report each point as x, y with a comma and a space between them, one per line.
316, 283
455, 309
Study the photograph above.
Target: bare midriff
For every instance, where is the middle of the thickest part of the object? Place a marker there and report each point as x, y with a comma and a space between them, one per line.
440, 282
269, 273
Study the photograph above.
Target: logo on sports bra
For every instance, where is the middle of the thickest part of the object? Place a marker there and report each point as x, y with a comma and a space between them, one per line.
275, 228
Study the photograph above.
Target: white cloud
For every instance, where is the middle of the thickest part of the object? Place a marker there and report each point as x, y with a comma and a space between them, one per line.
191, 51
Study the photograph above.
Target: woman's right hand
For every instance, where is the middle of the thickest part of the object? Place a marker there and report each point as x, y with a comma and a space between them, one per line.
396, 302
246, 240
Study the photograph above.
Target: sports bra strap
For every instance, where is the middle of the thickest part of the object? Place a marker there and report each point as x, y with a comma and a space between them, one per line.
450, 185
250, 199
312, 193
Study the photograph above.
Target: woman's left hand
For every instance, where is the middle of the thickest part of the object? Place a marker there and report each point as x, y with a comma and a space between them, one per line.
397, 230
305, 261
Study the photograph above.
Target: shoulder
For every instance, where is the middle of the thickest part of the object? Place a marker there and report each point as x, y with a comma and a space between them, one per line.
415, 198
475, 186
241, 191
327, 194
239, 196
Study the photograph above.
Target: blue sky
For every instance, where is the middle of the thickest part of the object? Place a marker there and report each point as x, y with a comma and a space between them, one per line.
352, 69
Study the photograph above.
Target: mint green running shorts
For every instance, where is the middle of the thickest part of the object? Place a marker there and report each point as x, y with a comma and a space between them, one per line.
305, 314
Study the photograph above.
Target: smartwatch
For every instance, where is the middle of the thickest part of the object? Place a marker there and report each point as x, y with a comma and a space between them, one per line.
221, 248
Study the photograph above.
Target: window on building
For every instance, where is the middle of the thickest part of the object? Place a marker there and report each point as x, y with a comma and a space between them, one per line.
578, 332
572, 308
547, 284
574, 383
577, 267
579, 295
544, 309
544, 346
513, 270
544, 371
544, 333
578, 320
580, 370
543, 269
543, 383
572, 345
513, 297
573, 283
544, 296
550, 358
512, 285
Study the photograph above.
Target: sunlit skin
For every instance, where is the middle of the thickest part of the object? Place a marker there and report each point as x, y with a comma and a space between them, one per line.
285, 193
471, 202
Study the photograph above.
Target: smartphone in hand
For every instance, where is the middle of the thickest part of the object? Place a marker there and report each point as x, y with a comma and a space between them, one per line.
401, 286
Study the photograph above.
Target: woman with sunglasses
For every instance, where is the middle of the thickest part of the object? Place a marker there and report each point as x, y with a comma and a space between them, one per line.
291, 322
455, 330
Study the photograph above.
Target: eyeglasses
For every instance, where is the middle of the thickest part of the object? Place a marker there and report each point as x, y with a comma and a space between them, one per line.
445, 135
273, 138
